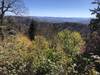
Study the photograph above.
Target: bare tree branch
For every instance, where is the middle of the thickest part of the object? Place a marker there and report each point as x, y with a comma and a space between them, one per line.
13, 6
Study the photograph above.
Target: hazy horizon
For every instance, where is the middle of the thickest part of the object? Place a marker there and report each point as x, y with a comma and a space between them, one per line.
59, 8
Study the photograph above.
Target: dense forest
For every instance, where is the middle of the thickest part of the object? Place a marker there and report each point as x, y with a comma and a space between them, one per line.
31, 47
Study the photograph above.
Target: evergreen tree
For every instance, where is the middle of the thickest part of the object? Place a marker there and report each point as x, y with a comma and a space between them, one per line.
90, 60
93, 44
95, 23
32, 30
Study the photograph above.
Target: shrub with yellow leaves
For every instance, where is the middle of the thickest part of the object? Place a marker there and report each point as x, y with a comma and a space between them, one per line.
20, 56
14, 55
22, 39
72, 41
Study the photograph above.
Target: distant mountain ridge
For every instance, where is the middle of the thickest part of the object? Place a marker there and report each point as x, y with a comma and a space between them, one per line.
49, 25
62, 19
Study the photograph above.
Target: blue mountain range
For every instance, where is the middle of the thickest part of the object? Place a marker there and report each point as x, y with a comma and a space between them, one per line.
62, 19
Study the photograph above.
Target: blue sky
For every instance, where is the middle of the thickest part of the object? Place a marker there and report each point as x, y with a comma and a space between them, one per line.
59, 8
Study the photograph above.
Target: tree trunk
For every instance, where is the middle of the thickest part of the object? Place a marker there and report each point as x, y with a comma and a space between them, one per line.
1, 17
1, 21
1, 29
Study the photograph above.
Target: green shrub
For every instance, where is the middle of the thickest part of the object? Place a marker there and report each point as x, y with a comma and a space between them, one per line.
14, 57
46, 60
20, 56
72, 41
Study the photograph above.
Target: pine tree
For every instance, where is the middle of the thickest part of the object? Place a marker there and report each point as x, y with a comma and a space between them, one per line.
32, 30
93, 44
90, 59
95, 23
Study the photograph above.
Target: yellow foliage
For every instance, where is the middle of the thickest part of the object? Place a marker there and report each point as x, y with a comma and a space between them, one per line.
22, 39
93, 72
41, 42
72, 41
14, 48
19, 49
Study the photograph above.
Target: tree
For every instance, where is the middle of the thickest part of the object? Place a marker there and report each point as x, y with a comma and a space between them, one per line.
72, 41
13, 6
95, 36
32, 30
91, 58
10, 6
95, 23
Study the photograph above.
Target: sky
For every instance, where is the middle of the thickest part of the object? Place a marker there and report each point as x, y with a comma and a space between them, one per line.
59, 8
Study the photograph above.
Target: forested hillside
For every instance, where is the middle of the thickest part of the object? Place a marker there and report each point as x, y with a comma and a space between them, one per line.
48, 45
22, 24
